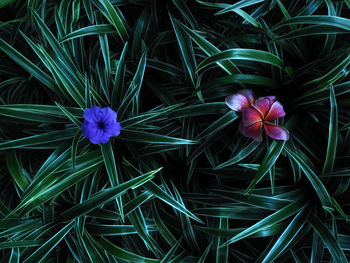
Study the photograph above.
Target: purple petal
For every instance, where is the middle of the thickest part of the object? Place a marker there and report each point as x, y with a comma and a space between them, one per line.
250, 115
248, 94
237, 102
276, 111
90, 114
252, 131
276, 132
263, 105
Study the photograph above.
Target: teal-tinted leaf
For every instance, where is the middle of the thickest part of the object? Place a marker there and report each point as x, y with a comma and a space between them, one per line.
113, 230
112, 14
46, 248
288, 235
240, 4
328, 239
90, 248
109, 161
222, 251
122, 253
39, 141
240, 155
163, 229
203, 258
309, 31
269, 160
242, 54
15, 255
186, 48
23, 243
314, 180
216, 126
87, 31
134, 88
27, 65
147, 137
335, 21
280, 215
43, 194
69, 115
107, 195
6, 2
171, 252
17, 172
209, 49
332, 134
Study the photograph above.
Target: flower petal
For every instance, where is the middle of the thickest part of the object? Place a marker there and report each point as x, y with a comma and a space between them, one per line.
276, 111
248, 94
262, 105
91, 114
108, 114
113, 128
252, 131
237, 102
276, 132
250, 115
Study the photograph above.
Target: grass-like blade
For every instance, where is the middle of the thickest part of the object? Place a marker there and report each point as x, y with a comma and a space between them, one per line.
242, 54
280, 215
332, 133
331, 243
46, 248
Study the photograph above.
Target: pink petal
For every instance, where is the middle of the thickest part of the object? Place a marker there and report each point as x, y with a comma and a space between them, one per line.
248, 93
271, 98
237, 102
250, 115
276, 132
263, 105
276, 111
252, 131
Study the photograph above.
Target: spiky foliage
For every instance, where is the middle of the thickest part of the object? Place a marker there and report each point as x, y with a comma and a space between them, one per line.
180, 183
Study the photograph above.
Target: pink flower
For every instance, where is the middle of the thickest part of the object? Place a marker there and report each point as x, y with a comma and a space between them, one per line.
258, 113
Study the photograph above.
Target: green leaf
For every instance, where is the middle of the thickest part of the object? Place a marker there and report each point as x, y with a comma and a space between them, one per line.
112, 14
240, 4
269, 160
328, 239
27, 65
147, 137
107, 195
16, 170
23, 243
88, 31
6, 2
49, 245
332, 134
122, 254
109, 161
209, 49
171, 252
288, 235
334, 21
280, 215
240, 155
242, 54
39, 141
186, 49
314, 180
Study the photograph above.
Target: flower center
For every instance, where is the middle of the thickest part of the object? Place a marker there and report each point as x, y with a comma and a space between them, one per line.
101, 125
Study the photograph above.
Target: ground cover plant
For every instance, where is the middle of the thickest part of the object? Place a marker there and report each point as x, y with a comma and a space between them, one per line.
177, 176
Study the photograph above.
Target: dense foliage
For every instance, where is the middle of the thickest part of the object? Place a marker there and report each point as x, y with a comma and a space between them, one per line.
180, 183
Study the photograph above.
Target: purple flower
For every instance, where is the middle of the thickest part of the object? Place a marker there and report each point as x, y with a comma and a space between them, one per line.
100, 124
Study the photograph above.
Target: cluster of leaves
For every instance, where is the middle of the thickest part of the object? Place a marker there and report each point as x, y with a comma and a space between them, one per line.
180, 184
